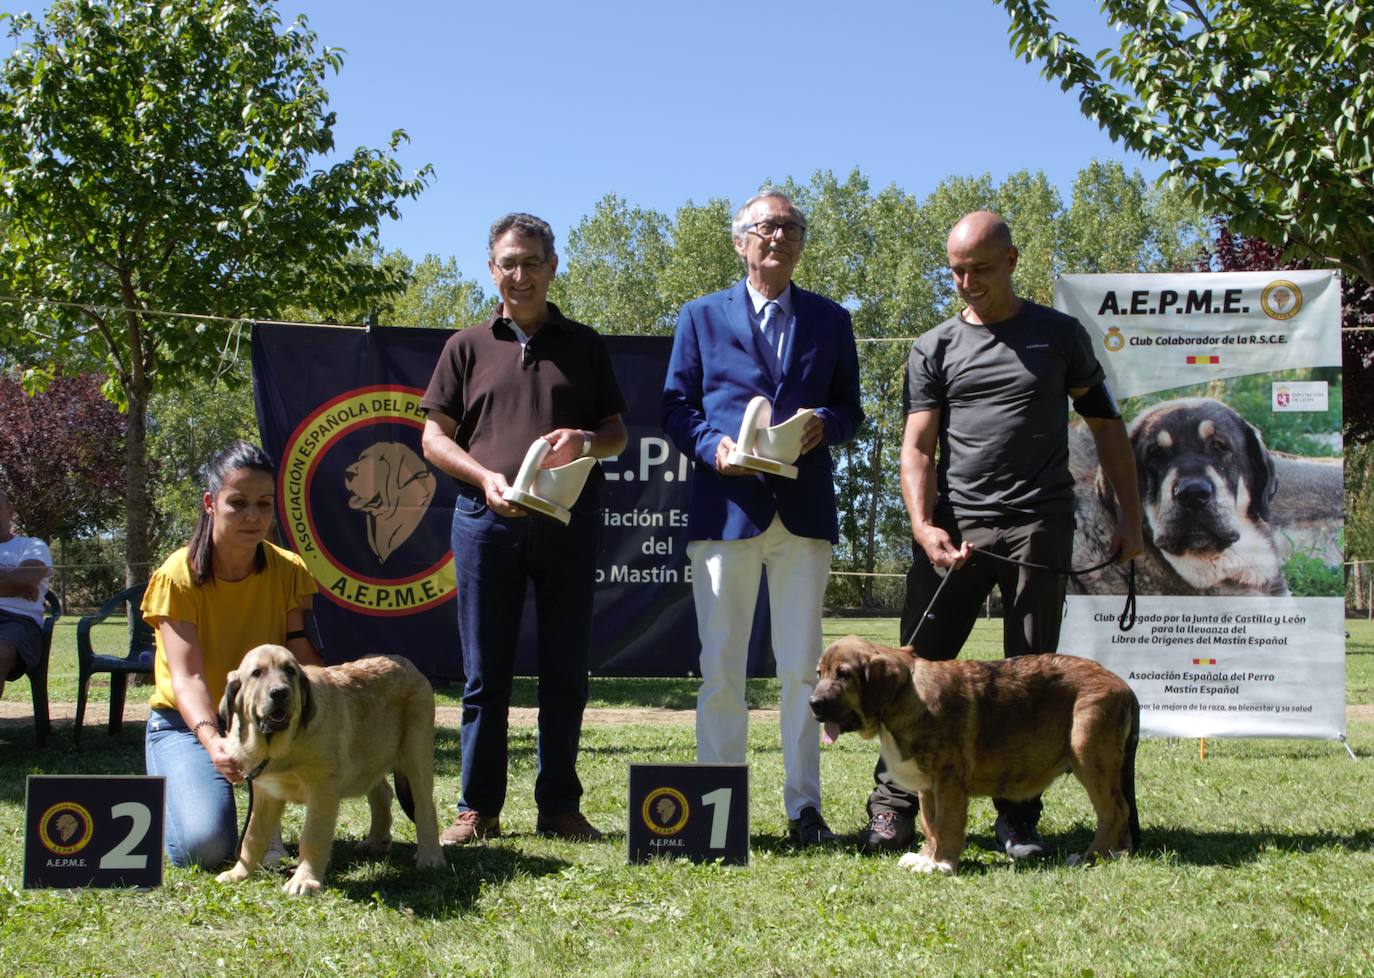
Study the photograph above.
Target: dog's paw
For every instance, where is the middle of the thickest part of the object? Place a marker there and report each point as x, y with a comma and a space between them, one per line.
430, 858
1086, 859
919, 862
916, 862
378, 846
301, 885
236, 875
1090, 858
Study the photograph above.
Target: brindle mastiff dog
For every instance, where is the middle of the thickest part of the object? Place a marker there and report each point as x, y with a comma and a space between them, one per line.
327, 734
950, 730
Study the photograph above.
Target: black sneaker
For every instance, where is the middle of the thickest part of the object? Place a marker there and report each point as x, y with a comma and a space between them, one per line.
1017, 839
809, 829
888, 832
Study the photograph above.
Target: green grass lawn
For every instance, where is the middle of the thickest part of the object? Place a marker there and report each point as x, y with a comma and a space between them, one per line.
1258, 860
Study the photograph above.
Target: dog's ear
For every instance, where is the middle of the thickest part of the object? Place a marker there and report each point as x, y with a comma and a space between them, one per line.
227, 703
307, 698
884, 676
1264, 480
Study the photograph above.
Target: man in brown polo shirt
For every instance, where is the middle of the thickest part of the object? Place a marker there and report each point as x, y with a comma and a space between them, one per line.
527, 373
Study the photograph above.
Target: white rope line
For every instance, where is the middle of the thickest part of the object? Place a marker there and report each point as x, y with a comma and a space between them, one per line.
204, 317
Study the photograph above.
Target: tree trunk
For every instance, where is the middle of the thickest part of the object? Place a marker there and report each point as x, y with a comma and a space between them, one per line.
138, 388
138, 505
870, 537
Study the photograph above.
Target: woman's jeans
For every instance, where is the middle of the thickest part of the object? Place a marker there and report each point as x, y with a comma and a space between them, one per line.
201, 824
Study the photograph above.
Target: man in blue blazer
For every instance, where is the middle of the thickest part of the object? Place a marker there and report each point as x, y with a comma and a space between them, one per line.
762, 336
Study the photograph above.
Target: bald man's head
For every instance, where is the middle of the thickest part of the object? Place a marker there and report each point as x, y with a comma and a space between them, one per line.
980, 226
982, 259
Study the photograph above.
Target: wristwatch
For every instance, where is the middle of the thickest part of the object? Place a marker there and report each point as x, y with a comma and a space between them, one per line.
586, 444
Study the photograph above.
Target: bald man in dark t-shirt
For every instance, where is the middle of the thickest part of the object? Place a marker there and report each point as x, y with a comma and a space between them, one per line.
988, 391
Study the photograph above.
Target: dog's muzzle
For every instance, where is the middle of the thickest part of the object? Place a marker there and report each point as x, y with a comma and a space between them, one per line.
1194, 523
831, 714
278, 715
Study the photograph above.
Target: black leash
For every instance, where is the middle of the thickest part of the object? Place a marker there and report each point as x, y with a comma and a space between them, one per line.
248, 780
1125, 622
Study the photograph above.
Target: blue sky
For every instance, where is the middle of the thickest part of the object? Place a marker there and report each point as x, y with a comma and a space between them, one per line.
548, 107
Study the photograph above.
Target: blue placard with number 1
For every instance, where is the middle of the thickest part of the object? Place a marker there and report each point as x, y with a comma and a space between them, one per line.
696, 811
93, 831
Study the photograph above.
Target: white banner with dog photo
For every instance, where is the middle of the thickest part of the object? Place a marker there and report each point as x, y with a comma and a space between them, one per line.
1230, 385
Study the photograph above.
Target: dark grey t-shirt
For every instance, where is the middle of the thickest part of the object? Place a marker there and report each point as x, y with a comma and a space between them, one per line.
1002, 392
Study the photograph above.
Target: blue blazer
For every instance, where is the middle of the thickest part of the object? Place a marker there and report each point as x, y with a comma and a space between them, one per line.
717, 368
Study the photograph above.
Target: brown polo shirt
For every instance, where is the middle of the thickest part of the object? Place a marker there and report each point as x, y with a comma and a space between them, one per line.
503, 397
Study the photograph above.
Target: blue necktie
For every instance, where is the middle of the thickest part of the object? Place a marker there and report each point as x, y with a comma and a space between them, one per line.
772, 322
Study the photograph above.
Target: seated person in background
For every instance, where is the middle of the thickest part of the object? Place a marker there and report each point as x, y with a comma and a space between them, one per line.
226, 592
25, 567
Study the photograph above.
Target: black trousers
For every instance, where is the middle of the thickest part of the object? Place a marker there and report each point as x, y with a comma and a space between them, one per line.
1033, 607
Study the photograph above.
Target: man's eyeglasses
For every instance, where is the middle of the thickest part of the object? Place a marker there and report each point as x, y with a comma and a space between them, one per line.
529, 266
791, 230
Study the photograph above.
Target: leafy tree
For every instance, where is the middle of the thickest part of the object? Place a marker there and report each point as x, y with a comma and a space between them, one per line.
610, 267
164, 157
189, 423
701, 258
1035, 212
1116, 223
1261, 108
1359, 502
629, 270
60, 453
438, 295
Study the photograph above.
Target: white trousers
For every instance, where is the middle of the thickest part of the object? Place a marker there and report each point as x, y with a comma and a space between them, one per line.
725, 588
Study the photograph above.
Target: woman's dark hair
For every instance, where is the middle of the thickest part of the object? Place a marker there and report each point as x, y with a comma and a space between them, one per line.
200, 551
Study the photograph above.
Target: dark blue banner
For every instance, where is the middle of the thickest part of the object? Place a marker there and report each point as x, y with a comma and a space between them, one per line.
339, 411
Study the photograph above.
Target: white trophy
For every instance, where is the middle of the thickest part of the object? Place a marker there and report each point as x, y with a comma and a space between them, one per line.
548, 491
765, 449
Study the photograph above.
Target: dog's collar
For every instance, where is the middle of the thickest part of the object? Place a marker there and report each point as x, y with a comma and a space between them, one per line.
257, 770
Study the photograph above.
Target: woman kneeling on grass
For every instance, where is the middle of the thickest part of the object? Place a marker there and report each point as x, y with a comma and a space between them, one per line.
226, 592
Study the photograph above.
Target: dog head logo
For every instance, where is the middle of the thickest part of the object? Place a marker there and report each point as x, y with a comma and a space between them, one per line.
66, 828
393, 486
665, 811
363, 509
1113, 341
1281, 299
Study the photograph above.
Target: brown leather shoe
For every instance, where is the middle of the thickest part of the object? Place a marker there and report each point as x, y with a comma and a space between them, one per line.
470, 826
572, 826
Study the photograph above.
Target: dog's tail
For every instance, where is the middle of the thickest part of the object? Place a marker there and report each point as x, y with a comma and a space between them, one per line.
405, 796
1128, 773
